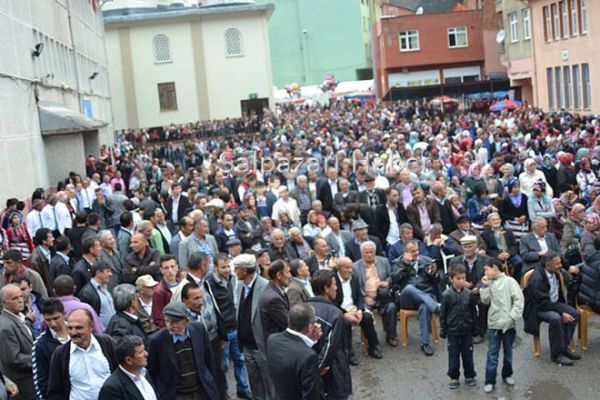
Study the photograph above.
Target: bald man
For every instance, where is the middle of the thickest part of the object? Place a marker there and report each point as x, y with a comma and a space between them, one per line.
17, 341
143, 260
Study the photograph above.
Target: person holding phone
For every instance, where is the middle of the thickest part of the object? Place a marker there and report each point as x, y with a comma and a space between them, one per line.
417, 280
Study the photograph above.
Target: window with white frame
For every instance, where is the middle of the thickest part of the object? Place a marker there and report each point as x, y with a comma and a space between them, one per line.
526, 24
587, 86
457, 37
583, 16
574, 17
233, 43
555, 22
162, 49
550, 84
567, 82
409, 40
548, 26
576, 87
513, 20
565, 19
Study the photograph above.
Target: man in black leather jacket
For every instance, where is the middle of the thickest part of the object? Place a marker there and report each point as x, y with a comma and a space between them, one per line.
416, 278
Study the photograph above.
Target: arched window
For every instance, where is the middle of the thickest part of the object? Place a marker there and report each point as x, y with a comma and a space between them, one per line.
162, 48
233, 43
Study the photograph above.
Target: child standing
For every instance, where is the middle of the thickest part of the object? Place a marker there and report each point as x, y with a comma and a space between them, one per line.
505, 298
457, 317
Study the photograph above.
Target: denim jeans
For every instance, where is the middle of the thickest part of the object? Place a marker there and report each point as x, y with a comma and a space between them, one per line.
232, 351
496, 339
414, 299
460, 346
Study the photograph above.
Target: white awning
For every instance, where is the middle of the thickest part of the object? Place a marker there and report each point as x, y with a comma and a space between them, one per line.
58, 119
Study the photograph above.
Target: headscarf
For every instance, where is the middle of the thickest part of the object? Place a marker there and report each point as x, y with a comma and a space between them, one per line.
539, 185
577, 208
527, 163
472, 170
12, 214
592, 218
511, 183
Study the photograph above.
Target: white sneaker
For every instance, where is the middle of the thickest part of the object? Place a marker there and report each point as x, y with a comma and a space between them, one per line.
489, 388
509, 381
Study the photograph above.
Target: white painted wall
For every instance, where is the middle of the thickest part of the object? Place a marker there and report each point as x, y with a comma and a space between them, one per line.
229, 79
147, 74
232, 79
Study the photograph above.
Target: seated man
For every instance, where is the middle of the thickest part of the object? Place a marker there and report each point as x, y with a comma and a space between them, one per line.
394, 251
545, 295
501, 244
464, 229
374, 279
417, 279
474, 262
535, 244
360, 230
349, 296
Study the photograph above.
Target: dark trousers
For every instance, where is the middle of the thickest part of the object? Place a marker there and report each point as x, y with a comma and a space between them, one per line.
389, 316
481, 319
497, 338
460, 346
367, 324
559, 333
220, 375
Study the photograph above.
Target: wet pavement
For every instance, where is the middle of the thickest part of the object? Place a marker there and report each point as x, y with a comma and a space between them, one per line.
406, 373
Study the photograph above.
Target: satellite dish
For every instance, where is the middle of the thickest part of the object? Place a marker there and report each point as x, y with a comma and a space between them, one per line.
419, 11
500, 36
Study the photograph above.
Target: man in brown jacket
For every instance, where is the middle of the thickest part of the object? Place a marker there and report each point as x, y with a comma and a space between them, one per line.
422, 213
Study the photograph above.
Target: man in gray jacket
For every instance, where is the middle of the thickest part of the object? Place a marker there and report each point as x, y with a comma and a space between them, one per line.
250, 333
17, 342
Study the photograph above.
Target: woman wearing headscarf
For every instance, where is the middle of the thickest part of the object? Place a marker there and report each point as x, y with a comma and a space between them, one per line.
18, 237
530, 176
491, 182
540, 204
586, 178
507, 172
473, 179
479, 206
513, 209
550, 172
569, 244
567, 178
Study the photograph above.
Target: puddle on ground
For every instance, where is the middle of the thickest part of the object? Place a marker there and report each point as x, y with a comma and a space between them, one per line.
546, 390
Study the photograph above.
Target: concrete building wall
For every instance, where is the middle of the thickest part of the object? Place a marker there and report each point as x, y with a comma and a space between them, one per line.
574, 50
26, 160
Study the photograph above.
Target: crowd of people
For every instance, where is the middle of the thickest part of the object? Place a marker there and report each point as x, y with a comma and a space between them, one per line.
263, 241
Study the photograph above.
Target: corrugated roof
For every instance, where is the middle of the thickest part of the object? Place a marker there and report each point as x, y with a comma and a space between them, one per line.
429, 6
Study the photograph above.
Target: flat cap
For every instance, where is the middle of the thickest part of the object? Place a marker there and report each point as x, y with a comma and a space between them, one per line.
176, 310
463, 218
145, 281
469, 239
369, 178
359, 224
244, 261
233, 242
216, 203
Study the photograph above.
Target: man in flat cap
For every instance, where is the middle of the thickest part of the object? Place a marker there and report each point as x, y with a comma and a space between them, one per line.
248, 292
474, 261
464, 228
180, 361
